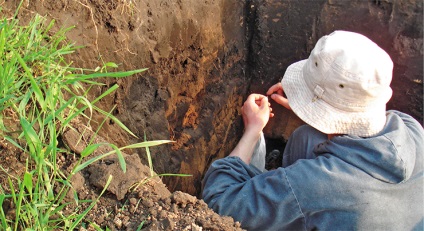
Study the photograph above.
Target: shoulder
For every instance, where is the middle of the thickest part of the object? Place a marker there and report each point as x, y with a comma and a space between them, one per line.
396, 117
405, 117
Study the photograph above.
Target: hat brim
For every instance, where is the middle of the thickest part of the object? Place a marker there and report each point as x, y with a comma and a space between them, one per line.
324, 117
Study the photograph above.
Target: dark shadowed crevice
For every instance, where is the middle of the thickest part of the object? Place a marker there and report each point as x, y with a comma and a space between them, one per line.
251, 18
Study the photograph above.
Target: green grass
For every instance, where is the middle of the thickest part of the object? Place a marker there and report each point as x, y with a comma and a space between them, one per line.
40, 94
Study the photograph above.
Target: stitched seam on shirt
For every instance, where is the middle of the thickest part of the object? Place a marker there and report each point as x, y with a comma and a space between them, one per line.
297, 201
397, 156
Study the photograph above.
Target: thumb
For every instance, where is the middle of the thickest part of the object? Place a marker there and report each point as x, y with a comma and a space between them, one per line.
264, 102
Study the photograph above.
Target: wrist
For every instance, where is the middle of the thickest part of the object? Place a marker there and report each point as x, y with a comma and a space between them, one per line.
253, 131
246, 145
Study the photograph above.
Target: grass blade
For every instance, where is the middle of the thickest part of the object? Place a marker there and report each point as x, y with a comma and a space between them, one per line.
34, 85
147, 144
115, 120
2, 215
31, 137
90, 149
149, 157
28, 183
108, 74
121, 158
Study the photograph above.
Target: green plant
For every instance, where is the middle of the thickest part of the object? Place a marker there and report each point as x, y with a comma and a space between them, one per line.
40, 94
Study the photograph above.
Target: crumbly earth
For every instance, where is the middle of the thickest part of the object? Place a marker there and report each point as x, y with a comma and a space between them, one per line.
131, 201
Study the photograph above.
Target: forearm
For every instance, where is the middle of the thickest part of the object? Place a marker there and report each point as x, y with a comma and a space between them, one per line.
246, 145
233, 188
256, 112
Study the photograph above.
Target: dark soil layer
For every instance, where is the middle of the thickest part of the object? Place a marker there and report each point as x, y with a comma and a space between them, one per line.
204, 58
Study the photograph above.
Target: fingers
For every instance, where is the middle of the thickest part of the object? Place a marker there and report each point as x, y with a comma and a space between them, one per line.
257, 102
261, 101
256, 97
276, 88
281, 100
276, 92
270, 112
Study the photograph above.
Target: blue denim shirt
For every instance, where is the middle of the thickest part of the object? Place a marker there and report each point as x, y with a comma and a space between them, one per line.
354, 183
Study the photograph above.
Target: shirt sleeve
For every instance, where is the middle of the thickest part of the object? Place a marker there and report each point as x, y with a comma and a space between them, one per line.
259, 201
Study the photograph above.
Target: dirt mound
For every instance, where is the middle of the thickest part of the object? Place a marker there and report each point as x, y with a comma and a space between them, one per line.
178, 211
135, 198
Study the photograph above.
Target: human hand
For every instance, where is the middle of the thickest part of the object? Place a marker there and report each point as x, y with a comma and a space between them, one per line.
256, 112
276, 93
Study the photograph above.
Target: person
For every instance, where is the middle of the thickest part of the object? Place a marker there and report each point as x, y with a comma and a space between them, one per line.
352, 166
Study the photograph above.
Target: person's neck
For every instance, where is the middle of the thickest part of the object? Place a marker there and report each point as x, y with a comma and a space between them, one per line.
330, 136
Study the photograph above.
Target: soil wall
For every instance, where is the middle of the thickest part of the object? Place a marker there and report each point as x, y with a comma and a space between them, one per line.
204, 57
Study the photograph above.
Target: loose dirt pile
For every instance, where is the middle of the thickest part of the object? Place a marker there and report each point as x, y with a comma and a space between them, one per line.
133, 200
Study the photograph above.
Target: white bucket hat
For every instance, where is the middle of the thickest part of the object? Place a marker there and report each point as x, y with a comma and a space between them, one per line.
343, 87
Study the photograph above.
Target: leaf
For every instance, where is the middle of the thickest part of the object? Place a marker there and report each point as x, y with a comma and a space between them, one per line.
28, 182
141, 225
8, 138
111, 64
149, 157
121, 158
115, 120
90, 104
95, 226
148, 144
90, 149
109, 74
37, 92
90, 161
31, 137
2, 215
